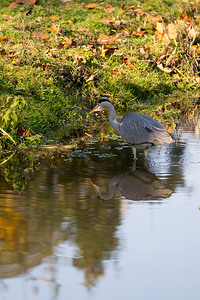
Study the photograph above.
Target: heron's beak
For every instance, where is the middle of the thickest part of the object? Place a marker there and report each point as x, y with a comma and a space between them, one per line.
97, 189
96, 108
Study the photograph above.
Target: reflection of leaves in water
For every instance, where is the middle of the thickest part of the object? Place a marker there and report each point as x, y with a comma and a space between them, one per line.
31, 222
96, 238
18, 168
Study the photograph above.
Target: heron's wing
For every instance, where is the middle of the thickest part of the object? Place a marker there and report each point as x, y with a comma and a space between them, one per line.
139, 129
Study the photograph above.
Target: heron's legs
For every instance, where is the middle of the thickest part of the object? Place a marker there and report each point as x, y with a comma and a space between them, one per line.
134, 152
159, 149
146, 153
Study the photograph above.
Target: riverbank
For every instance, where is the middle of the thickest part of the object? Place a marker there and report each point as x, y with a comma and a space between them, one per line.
58, 58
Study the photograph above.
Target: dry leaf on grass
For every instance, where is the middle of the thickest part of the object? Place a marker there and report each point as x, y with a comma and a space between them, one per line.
55, 28
197, 79
3, 38
138, 32
108, 8
105, 39
90, 5
164, 69
172, 31
54, 17
115, 72
106, 50
106, 21
13, 4
44, 36
128, 63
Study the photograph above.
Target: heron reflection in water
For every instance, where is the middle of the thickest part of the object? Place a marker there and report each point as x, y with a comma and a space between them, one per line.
135, 184
140, 131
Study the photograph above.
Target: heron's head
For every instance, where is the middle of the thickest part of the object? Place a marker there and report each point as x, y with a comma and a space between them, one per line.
102, 105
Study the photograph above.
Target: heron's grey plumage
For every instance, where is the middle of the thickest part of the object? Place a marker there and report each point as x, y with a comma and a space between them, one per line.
140, 131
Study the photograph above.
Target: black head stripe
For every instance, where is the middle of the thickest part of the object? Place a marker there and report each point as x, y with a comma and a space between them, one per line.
103, 100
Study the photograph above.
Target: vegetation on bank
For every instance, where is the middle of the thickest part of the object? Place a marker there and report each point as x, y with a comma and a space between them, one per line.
57, 58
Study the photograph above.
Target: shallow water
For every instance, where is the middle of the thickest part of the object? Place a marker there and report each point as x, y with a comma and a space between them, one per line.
99, 227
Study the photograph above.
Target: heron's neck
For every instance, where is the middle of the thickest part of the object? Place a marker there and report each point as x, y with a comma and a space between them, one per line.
111, 188
112, 118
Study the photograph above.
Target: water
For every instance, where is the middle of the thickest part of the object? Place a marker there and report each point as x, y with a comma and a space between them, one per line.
60, 240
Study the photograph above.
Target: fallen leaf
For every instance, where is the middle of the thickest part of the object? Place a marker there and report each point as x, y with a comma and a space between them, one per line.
60, 46
177, 79
195, 48
128, 63
55, 28
197, 79
73, 44
185, 17
119, 23
28, 12
164, 69
55, 17
92, 77
91, 6
172, 31
156, 19
45, 36
192, 32
3, 38
105, 39
9, 54
13, 4
68, 41
114, 72
69, 22
161, 32
106, 21
108, 8
138, 32
142, 51
125, 32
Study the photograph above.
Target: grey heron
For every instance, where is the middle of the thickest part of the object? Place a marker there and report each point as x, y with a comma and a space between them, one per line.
138, 184
139, 131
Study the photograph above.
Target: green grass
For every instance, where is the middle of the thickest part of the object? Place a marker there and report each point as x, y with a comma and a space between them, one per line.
54, 81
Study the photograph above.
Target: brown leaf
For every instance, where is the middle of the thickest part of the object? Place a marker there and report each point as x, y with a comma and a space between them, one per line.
156, 19
108, 8
3, 38
172, 31
13, 4
55, 28
128, 62
125, 32
9, 54
54, 17
164, 69
68, 41
161, 33
91, 6
114, 72
138, 32
60, 46
106, 50
106, 21
105, 39
195, 48
28, 12
185, 17
197, 79
45, 36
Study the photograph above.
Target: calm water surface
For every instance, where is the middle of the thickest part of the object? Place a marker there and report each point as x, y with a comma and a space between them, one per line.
99, 227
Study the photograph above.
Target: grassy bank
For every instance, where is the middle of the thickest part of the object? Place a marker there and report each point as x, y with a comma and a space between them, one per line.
57, 58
